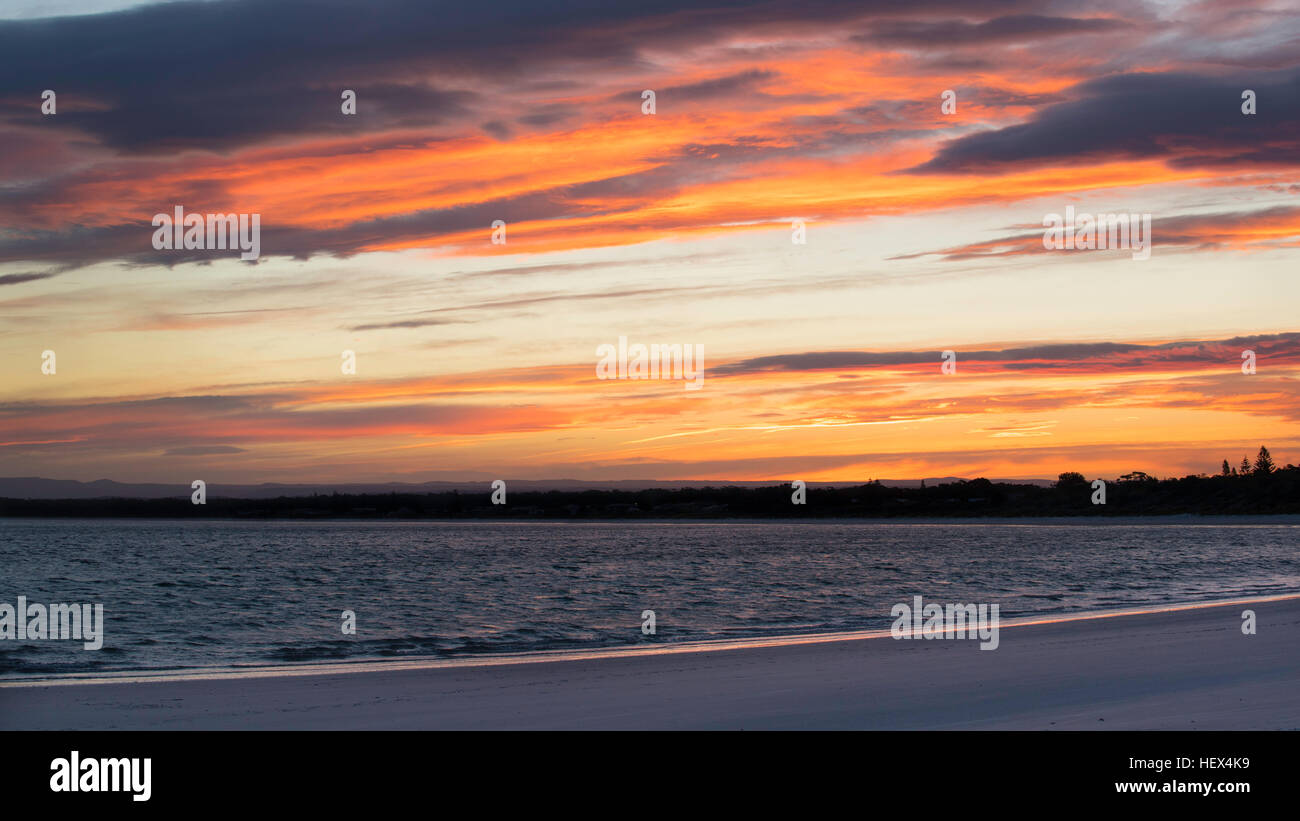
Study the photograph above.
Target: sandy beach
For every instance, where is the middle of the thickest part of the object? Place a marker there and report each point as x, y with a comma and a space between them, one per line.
1185, 669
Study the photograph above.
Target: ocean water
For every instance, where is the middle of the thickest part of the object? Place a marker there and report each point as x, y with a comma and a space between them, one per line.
218, 593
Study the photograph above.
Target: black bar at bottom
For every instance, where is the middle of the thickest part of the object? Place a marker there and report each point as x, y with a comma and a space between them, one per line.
332, 771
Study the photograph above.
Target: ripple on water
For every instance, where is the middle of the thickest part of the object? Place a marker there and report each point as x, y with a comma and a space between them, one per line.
275, 591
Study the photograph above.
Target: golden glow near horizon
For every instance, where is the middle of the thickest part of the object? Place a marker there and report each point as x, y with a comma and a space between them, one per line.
477, 360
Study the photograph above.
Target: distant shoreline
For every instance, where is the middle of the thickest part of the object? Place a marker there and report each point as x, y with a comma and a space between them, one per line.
1073, 496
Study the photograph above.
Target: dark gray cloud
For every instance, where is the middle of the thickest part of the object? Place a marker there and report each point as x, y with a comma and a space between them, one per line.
1185, 119
1009, 29
402, 323
547, 115
218, 74
16, 279
220, 118
498, 129
1122, 355
729, 86
132, 241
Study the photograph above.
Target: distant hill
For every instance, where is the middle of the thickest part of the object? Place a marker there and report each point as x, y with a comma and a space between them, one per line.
31, 487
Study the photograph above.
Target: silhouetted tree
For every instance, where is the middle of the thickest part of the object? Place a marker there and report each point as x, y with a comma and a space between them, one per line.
1070, 478
1264, 462
1135, 476
1226, 470
1245, 466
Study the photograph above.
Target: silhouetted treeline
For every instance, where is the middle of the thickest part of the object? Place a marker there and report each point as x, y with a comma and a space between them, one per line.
1277, 491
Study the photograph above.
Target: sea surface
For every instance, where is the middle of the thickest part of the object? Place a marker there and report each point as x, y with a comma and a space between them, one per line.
218, 593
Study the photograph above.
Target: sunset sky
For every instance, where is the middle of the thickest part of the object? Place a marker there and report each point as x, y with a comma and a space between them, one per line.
474, 360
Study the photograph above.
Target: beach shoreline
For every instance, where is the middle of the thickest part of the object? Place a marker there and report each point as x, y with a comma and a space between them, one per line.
1176, 667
